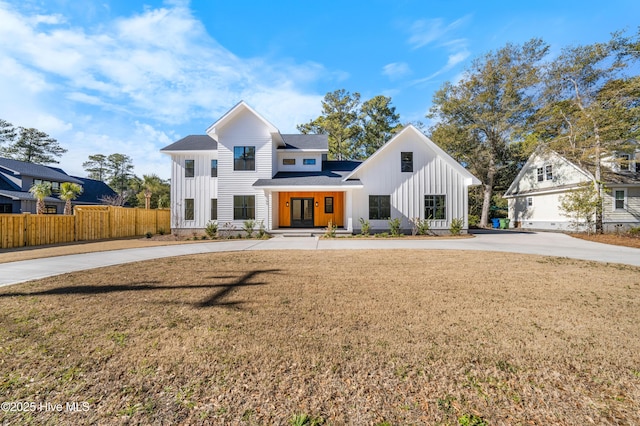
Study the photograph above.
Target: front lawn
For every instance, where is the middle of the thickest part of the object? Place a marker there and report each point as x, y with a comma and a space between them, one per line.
344, 337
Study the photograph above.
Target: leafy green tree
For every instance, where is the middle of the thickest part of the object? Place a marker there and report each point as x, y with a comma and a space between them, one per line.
582, 206
68, 192
40, 191
379, 121
339, 121
119, 172
34, 146
591, 105
154, 192
488, 110
7, 132
96, 167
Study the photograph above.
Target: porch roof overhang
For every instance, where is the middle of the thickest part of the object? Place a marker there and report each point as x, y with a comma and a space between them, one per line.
324, 181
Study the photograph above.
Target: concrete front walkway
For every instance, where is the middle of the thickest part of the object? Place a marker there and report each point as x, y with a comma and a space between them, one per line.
543, 243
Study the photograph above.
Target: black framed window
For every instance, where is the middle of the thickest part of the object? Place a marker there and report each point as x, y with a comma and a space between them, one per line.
406, 161
50, 209
214, 209
289, 161
244, 158
244, 207
189, 168
548, 172
540, 174
5, 208
214, 168
328, 204
435, 207
379, 207
189, 211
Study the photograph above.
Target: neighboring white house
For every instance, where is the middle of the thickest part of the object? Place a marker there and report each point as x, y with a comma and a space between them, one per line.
244, 168
534, 196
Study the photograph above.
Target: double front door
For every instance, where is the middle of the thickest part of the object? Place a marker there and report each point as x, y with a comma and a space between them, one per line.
302, 212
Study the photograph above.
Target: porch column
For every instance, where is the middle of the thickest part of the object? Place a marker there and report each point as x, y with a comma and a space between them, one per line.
348, 211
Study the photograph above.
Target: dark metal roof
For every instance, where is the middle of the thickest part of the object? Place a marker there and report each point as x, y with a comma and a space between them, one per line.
193, 143
20, 195
92, 191
7, 184
332, 174
299, 141
39, 171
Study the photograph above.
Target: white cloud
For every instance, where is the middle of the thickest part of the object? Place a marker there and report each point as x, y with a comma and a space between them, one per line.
396, 70
426, 31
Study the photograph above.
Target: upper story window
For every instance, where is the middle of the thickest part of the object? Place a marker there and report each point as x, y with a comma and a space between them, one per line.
214, 168
625, 162
529, 201
244, 158
55, 186
289, 161
406, 161
189, 168
548, 170
540, 174
309, 162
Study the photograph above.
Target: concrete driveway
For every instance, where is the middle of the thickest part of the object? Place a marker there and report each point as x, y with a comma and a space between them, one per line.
542, 243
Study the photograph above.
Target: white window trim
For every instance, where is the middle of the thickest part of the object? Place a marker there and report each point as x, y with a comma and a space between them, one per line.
624, 208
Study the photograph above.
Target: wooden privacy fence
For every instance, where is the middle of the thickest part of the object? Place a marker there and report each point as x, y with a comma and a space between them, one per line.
87, 223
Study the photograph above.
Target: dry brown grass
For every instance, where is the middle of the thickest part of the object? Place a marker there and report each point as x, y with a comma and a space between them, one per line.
626, 240
354, 337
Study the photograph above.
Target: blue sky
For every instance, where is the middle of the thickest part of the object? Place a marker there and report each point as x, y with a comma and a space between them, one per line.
131, 77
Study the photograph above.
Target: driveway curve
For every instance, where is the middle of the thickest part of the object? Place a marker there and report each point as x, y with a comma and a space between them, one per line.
540, 243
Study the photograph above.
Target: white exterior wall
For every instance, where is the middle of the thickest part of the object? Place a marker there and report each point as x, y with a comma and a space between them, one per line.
564, 173
201, 188
244, 130
299, 156
432, 175
544, 214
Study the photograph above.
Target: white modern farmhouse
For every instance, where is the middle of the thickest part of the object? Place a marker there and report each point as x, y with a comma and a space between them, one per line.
534, 196
244, 168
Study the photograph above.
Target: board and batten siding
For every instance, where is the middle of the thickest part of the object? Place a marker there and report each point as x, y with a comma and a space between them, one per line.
244, 130
201, 188
431, 175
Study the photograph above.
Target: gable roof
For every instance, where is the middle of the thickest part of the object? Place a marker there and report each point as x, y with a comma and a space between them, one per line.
193, 143
240, 108
39, 171
538, 152
472, 180
309, 142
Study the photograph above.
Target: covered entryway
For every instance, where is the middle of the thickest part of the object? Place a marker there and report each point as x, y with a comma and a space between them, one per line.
310, 209
302, 213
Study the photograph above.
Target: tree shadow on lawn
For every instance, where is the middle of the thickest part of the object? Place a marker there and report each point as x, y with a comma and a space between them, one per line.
213, 300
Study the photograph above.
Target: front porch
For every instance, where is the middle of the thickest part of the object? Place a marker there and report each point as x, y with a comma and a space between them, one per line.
309, 209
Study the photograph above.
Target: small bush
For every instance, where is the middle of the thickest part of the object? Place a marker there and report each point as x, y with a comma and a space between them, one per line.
365, 227
211, 229
148, 234
474, 220
634, 231
262, 231
394, 227
248, 227
330, 232
419, 226
456, 226
161, 231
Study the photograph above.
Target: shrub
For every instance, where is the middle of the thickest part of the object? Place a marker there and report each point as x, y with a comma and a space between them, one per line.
211, 229
394, 227
161, 231
419, 226
330, 232
148, 234
634, 231
262, 231
248, 226
474, 220
456, 226
365, 227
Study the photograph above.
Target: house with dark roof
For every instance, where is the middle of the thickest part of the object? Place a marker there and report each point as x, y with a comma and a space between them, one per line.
535, 195
245, 169
16, 177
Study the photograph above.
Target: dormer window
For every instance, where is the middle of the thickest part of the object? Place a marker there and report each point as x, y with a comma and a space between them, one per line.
548, 170
540, 174
625, 162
